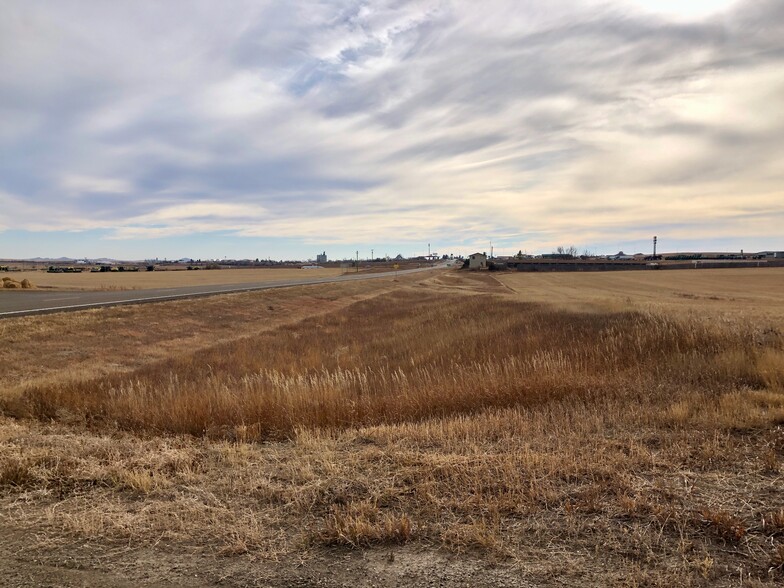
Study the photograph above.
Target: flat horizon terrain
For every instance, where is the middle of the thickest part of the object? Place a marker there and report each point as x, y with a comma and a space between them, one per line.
757, 291
143, 280
451, 428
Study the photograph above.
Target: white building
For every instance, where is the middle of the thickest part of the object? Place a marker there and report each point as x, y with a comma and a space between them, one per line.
477, 261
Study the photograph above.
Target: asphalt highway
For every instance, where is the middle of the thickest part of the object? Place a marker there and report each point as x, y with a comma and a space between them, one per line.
27, 302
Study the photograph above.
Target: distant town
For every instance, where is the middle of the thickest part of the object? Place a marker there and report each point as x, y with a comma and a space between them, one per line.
561, 259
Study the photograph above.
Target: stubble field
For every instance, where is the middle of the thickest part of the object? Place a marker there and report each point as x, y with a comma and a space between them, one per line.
143, 280
452, 429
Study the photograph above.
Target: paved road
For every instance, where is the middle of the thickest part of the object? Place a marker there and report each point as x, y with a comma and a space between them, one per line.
26, 302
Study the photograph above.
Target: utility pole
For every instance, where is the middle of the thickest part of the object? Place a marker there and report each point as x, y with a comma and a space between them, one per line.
372, 257
654, 247
357, 261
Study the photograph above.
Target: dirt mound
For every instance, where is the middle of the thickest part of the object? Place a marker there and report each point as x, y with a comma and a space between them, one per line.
9, 283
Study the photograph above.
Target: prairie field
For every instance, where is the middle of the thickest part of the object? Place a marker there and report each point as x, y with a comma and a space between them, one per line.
752, 292
448, 429
142, 280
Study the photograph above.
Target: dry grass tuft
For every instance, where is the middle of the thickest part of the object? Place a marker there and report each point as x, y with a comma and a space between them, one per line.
777, 560
11, 283
770, 364
773, 523
724, 524
363, 524
142, 481
483, 534
16, 472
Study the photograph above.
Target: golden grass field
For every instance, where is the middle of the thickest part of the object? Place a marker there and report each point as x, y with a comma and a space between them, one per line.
165, 279
748, 291
613, 429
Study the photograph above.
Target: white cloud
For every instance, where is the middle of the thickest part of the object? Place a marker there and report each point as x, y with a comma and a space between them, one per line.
78, 185
348, 120
690, 9
202, 210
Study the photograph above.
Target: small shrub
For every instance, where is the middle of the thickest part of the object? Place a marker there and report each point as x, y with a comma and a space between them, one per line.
773, 523
16, 473
777, 560
142, 481
361, 524
724, 524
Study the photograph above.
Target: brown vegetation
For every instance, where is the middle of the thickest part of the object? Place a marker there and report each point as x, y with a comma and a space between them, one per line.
748, 294
10, 283
376, 363
167, 279
82, 345
608, 447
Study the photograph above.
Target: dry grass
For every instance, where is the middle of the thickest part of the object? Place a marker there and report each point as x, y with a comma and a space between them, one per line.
166, 279
363, 524
371, 364
82, 345
635, 446
11, 284
745, 294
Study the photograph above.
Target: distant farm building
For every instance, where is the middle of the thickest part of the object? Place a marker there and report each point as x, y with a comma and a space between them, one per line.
621, 256
477, 261
321, 257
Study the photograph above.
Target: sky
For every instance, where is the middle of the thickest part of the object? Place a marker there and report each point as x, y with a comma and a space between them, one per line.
280, 129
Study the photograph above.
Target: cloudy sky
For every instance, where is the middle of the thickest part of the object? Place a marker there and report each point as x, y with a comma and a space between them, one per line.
283, 128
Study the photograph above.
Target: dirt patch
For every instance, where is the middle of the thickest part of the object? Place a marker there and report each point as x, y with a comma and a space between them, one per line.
98, 565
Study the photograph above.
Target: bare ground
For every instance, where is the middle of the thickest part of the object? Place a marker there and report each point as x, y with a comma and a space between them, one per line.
97, 565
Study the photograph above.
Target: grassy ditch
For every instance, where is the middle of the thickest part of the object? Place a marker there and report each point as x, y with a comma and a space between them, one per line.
639, 448
408, 357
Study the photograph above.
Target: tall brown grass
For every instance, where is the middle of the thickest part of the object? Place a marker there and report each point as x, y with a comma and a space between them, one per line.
410, 356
